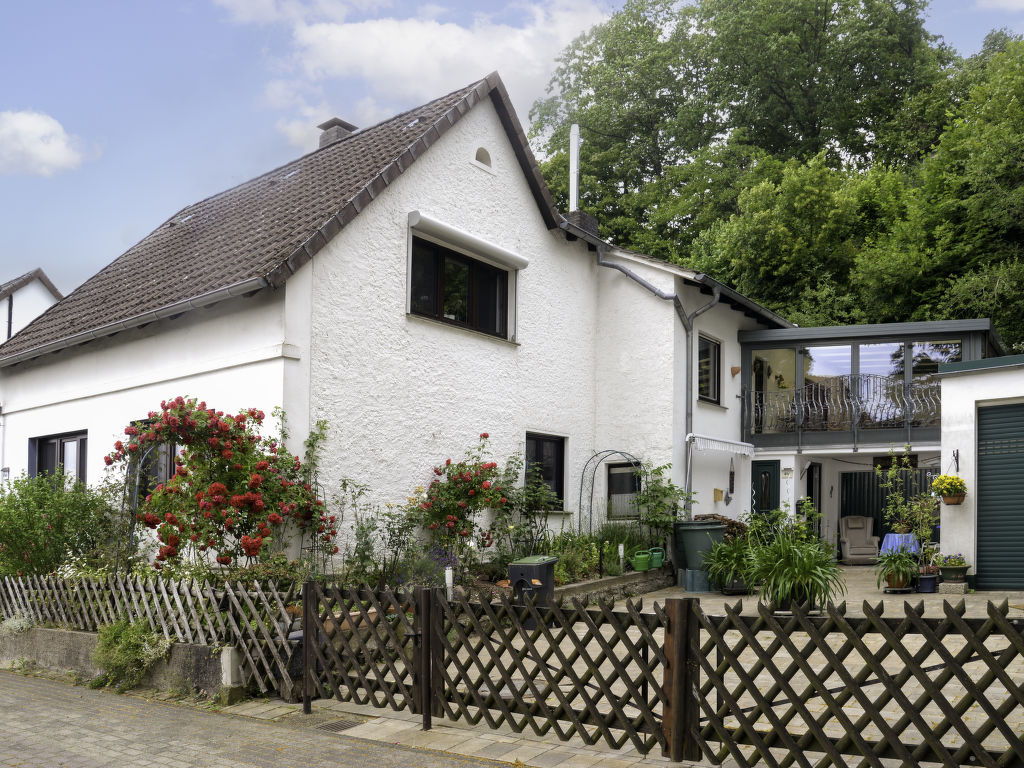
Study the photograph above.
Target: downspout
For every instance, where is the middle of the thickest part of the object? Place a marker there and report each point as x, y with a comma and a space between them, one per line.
10, 316
687, 321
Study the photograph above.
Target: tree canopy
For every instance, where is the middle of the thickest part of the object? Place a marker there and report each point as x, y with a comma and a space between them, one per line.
832, 160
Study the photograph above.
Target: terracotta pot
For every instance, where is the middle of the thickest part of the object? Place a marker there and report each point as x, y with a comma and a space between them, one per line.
954, 500
900, 581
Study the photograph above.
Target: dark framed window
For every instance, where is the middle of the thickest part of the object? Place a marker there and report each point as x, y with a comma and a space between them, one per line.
623, 486
67, 452
457, 289
548, 453
709, 369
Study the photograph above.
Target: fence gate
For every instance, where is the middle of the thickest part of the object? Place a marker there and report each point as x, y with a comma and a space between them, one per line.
597, 673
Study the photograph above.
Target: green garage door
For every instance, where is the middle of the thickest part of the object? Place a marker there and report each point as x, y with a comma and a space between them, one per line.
1000, 497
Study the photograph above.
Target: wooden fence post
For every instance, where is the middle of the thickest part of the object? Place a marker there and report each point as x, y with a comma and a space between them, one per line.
680, 718
309, 636
424, 600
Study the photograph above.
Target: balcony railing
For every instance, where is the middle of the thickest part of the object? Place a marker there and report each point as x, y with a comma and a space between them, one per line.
851, 403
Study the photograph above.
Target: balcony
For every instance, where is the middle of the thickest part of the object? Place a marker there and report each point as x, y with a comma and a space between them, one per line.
847, 409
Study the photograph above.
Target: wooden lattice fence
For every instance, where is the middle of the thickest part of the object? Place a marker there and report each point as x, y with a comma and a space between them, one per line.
865, 691
254, 619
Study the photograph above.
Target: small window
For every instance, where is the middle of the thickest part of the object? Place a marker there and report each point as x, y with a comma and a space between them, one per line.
709, 378
65, 453
623, 486
454, 288
548, 453
483, 157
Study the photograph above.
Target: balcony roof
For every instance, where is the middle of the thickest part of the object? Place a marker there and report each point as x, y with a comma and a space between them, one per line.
908, 331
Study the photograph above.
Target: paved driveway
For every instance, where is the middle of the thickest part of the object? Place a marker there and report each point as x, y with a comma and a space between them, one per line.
48, 724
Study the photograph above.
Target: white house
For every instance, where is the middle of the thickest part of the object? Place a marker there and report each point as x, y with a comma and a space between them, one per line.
23, 299
412, 284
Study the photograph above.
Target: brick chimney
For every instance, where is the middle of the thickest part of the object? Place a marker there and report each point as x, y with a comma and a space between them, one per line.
334, 130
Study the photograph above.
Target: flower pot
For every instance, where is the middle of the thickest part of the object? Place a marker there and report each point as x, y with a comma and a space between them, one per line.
954, 500
735, 587
928, 582
691, 541
897, 581
953, 573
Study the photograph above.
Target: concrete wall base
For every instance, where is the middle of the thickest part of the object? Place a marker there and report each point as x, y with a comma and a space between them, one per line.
189, 668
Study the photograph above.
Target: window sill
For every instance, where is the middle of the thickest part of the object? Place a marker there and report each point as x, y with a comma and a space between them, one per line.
460, 329
709, 404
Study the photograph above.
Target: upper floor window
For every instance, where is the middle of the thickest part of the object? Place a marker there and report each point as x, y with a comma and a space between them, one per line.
457, 289
65, 453
709, 375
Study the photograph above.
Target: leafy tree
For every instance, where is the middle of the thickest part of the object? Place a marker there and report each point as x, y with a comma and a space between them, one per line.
632, 85
964, 217
800, 237
807, 76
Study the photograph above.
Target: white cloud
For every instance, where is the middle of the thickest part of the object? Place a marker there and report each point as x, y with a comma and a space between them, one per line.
1002, 5
394, 63
35, 143
406, 61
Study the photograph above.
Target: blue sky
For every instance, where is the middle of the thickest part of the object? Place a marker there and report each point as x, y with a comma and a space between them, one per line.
114, 115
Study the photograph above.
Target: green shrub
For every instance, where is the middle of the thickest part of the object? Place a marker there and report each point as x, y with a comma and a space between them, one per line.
126, 652
47, 519
577, 557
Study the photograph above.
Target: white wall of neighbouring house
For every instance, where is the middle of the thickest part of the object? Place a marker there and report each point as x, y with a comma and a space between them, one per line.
963, 393
27, 303
232, 355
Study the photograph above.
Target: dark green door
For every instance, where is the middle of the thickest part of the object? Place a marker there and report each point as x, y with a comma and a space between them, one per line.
1000, 498
764, 482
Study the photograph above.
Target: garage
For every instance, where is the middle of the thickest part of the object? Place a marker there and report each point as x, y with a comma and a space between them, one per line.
1000, 497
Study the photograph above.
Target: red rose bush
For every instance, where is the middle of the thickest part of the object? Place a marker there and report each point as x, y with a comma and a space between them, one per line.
233, 491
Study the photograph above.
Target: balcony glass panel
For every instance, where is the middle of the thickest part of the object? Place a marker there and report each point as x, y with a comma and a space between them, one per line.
925, 392
826, 394
880, 391
773, 380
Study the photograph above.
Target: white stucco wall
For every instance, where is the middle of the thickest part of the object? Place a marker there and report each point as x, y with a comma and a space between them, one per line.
232, 356
962, 395
27, 303
403, 393
594, 352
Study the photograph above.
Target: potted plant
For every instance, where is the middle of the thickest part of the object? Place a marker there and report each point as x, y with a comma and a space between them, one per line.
792, 567
951, 488
952, 567
728, 564
896, 568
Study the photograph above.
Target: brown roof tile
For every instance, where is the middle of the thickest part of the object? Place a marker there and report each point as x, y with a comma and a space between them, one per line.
263, 229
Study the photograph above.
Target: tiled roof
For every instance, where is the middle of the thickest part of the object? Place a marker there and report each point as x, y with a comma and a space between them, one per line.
263, 230
6, 289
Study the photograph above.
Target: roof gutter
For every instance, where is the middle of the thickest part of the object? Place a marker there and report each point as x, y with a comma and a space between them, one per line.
203, 300
685, 318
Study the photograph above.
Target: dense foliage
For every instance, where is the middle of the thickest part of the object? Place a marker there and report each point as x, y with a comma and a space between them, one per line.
47, 520
833, 161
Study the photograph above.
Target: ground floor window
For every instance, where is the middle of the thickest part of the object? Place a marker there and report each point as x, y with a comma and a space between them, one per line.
548, 453
623, 486
66, 453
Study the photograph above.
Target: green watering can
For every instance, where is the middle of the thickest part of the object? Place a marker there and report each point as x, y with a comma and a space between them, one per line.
641, 560
657, 557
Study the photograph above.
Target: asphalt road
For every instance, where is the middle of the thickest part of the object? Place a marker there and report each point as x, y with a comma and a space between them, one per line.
51, 724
